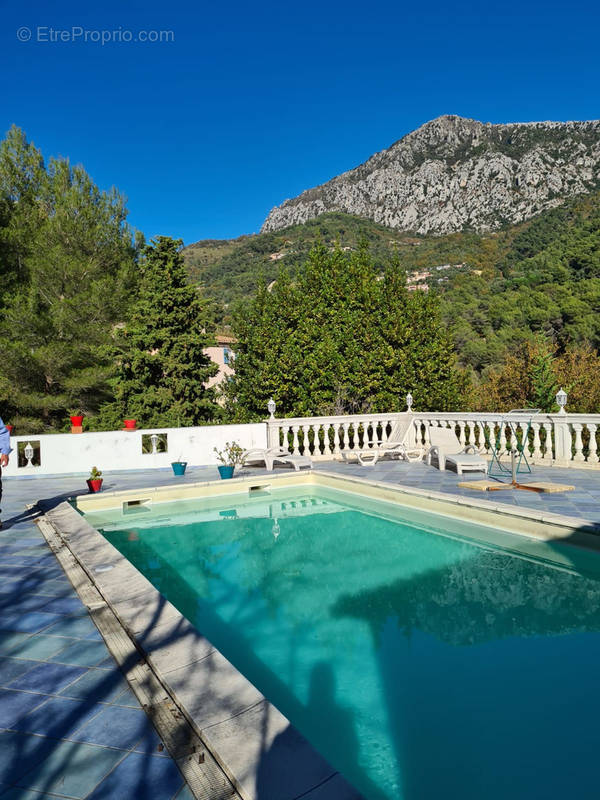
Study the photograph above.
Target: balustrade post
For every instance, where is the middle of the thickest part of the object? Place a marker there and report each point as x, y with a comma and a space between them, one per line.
562, 440
273, 430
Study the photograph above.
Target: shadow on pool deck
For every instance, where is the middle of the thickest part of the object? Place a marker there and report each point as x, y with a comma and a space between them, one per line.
68, 722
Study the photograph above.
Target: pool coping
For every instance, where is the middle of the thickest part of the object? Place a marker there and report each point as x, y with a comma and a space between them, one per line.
529, 522
232, 718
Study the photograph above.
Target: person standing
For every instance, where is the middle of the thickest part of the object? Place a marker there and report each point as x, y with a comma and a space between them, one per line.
4, 453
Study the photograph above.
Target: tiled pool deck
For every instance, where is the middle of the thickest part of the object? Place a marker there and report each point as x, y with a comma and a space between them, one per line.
69, 725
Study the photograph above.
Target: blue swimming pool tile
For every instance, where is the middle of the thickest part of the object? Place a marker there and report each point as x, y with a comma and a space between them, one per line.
14, 705
15, 793
152, 744
47, 678
39, 646
29, 622
8, 641
185, 793
141, 777
85, 653
126, 698
116, 726
20, 753
99, 686
16, 602
64, 605
74, 626
11, 668
58, 717
73, 770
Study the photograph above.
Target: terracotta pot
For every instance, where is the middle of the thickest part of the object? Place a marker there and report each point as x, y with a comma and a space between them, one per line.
94, 484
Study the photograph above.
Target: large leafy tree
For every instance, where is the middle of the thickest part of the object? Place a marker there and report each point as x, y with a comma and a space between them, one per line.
68, 267
162, 364
342, 338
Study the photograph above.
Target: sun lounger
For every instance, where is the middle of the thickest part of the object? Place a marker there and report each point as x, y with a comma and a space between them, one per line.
400, 444
447, 449
295, 461
263, 455
269, 455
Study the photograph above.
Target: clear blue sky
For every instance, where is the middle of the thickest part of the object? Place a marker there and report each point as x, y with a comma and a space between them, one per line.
254, 102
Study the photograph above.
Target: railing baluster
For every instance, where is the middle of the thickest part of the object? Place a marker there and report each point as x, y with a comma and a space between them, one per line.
593, 447
577, 427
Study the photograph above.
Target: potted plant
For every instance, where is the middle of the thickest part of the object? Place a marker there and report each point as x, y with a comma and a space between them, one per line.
94, 482
179, 467
230, 456
76, 418
130, 424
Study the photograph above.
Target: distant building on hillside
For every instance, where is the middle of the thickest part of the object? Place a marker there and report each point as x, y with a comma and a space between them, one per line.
223, 355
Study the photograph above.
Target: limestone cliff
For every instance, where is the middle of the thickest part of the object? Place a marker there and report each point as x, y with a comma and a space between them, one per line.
454, 173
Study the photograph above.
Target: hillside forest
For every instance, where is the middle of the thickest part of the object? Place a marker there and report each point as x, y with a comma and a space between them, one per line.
91, 314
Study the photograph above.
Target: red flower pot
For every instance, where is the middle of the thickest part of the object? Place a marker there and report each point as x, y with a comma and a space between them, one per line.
9, 428
94, 484
77, 421
130, 424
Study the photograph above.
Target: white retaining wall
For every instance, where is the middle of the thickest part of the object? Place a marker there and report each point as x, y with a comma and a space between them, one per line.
66, 453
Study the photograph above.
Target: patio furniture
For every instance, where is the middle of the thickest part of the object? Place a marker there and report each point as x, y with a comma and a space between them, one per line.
263, 455
367, 456
397, 445
296, 461
446, 448
270, 455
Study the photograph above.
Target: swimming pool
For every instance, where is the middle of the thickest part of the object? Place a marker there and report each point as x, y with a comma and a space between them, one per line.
423, 656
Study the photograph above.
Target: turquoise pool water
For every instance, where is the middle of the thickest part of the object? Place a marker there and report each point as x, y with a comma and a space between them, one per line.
423, 657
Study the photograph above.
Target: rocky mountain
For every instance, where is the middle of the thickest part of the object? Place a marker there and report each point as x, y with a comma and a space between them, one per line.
453, 174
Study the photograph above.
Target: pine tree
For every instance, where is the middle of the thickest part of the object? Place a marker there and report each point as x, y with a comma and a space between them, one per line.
162, 367
70, 255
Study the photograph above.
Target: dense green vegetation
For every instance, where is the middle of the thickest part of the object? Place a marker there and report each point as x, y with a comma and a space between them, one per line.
231, 269
542, 277
91, 320
161, 366
339, 339
67, 262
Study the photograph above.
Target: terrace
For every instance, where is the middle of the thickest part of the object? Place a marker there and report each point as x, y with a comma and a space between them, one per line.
71, 718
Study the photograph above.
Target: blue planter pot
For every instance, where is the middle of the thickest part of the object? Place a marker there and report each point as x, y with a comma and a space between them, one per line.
179, 467
226, 472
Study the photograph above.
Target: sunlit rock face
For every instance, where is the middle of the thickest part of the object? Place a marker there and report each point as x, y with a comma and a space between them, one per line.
454, 173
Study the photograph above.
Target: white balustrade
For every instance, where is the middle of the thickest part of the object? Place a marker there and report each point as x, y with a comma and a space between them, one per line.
554, 439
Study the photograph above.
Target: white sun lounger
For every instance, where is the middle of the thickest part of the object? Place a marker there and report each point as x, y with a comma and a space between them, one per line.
401, 443
269, 455
447, 449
